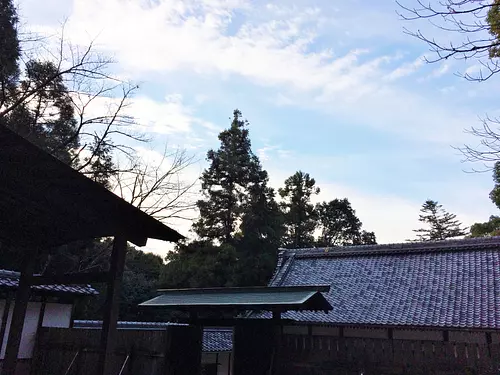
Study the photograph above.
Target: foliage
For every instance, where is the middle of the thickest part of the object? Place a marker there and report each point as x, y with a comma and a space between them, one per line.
440, 223
48, 119
300, 218
224, 183
9, 50
261, 232
339, 225
489, 228
239, 224
140, 280
200, 264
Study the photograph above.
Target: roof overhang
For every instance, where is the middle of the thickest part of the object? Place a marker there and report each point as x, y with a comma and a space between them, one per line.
44, 202
278, 299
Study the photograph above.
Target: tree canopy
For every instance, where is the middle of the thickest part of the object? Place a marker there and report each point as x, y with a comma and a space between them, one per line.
439, 224
239, 224
298, 211
339, 225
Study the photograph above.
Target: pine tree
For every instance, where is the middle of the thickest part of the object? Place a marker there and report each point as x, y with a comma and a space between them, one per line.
440, 223
300, 218
340, 226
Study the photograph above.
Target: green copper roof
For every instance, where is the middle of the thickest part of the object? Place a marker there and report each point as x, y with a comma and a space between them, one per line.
254, 298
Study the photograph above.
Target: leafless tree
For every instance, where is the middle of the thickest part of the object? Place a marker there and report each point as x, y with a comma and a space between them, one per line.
472, 29
100, 100
465, 19
156, 186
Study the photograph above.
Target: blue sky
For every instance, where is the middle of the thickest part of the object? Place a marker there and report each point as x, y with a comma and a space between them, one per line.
334, 88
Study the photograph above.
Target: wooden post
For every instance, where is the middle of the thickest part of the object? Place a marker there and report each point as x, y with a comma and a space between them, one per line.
5, 316
183, 350
39, 326
111, 305
19, 313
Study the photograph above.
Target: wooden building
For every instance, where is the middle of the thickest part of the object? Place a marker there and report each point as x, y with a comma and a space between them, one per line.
48, 306
412, 308
44, 204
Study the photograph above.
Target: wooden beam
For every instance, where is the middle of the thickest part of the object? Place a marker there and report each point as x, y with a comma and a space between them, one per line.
71, 278
5, 316
19, 313
111, 305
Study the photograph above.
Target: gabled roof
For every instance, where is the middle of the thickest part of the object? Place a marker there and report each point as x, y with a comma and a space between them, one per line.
10, 280
44, 202
454, 283
248, 298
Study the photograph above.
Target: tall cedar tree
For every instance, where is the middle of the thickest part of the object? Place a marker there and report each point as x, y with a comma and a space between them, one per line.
239, 225
440, 223
232, 168
339, 225
300, 218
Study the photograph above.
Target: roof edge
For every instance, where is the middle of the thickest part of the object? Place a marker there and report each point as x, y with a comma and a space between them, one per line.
394, 248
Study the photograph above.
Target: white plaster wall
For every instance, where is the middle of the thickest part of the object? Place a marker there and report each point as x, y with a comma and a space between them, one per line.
56, 315
29, 330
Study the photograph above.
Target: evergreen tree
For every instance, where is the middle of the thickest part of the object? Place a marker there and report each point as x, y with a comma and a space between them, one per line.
300, 218
368, 238
340, 226
489, 228
232, 168
440, 223
261, 231
9, 51
48, 118
495, 193
239, 225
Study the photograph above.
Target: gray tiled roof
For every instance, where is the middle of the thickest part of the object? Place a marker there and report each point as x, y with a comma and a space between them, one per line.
453, 283
217, 340
10, 280
214, 339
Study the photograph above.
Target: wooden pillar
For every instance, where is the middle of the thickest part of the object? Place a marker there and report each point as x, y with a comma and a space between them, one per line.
277, 331
253, 345
183, 351
41, 315
19, 313
111, 305
5, 317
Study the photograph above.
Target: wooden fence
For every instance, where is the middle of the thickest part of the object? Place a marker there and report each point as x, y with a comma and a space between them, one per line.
322, 355
61, 351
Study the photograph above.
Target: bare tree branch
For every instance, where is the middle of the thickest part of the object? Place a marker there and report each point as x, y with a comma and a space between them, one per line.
156, 187
458, 17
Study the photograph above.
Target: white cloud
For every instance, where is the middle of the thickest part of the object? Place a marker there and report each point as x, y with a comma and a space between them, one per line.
406, 69
271, 46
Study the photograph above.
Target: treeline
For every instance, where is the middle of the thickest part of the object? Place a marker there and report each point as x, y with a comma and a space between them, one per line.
242, 222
